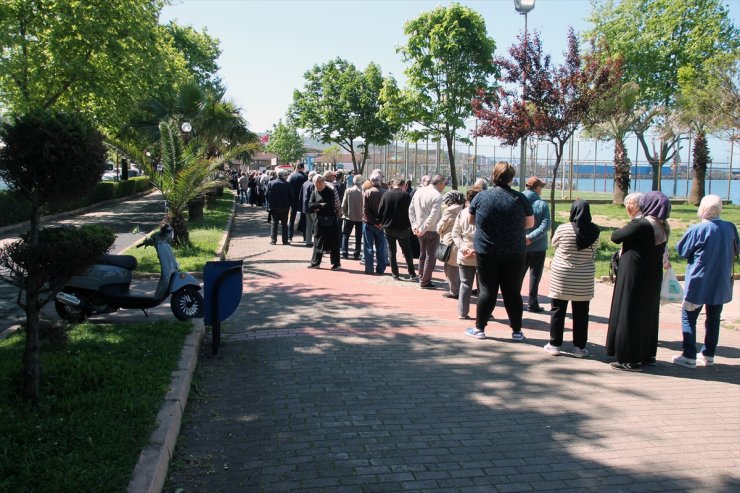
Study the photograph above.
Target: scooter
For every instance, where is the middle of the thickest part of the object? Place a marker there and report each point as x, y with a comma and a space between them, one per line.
105, 287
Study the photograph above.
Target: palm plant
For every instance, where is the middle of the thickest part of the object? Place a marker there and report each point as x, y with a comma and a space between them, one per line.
183, 174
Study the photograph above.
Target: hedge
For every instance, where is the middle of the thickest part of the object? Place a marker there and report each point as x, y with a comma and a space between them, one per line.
15, 210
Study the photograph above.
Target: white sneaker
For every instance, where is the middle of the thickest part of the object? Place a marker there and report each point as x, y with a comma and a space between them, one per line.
580, 353
554, 350
703, 360
682, 360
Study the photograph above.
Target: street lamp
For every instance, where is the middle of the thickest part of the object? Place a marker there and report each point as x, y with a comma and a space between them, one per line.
523, 7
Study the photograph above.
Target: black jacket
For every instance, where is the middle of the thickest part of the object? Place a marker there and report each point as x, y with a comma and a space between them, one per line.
394, 210
278, 195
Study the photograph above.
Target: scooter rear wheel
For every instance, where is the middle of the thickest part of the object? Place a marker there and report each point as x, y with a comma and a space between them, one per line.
70, 313
186, 303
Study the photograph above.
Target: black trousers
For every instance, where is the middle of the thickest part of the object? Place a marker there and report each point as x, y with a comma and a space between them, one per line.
281, 216
494, 272
347, 227
535, 263
403, 237
580, 322
291, 222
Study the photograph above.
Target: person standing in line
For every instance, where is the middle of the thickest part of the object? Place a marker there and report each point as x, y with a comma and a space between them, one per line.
305, 195
424, 213
572, 277
536, 240
501, 215
372, 232
710, 247
454, 203
243, 183
462, 234
633, 319
352, 214
296, 181
278, 191
394, 215
322, 204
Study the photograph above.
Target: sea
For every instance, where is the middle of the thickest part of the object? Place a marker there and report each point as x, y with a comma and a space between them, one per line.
727, 189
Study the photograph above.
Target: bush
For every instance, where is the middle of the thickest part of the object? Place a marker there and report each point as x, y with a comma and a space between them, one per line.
14, 209
105, 190
126, 188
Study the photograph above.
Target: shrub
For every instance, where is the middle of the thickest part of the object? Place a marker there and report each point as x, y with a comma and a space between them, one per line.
125, 188
14, 209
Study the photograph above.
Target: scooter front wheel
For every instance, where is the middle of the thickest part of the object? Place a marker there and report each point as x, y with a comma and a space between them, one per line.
186, 303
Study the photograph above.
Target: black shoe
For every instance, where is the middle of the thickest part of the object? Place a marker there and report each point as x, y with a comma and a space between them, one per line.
427, 285
272, 242
313, 266
356, 257
396, 277
535, 309
309, 244
626, 366
345, 256
449, 295
474, 292
286, 243
336, 267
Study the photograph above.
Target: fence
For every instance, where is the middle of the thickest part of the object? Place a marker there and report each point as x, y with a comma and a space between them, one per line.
582, 171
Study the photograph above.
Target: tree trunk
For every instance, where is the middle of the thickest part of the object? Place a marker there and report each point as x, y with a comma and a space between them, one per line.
621, 172
451, 156
31, 365
701, 159
558, 157
180, 229
31, 374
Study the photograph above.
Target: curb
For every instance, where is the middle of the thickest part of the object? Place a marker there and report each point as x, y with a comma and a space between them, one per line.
9, 331
151, 469
62, 215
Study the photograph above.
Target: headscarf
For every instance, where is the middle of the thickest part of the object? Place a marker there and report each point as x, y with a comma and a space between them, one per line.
453, 197
655, 204
586, 231
710, 207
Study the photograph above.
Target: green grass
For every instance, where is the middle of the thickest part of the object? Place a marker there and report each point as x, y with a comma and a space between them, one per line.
205, 237
101, 391
682, 216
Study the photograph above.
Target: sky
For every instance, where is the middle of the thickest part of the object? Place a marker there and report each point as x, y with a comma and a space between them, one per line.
267, 45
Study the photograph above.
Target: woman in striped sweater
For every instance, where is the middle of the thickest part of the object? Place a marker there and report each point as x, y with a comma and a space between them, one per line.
572, 277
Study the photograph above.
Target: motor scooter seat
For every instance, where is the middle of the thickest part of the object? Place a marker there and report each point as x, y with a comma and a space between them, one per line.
127, 262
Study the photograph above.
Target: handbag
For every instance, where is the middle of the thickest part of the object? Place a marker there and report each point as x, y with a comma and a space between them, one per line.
671, 290
614, 266
326, 221
443, 252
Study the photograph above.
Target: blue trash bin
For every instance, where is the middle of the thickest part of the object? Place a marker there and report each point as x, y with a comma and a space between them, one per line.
222, 289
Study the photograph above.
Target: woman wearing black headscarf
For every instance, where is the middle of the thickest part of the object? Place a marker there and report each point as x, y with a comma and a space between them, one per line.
572, 277
323, 204
633, 320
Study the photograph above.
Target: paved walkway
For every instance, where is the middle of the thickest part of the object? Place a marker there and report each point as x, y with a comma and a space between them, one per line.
341, 382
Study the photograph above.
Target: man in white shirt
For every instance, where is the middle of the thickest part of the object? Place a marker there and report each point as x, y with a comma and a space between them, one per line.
424, 213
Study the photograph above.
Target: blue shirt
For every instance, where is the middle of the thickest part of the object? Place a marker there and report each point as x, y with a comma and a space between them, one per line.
499, 220
710, 248
538, 234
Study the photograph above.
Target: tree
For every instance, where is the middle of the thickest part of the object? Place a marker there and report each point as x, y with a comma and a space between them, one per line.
48, 157
340, 104
657, 38
200, 51
94, 56
186, 173
448, 56
613, 117
285, 143
558, 99
331, 155
697, 111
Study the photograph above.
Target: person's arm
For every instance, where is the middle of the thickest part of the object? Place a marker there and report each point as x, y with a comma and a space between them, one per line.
528, 222
622, 234
345, 203
544, 226
556, 237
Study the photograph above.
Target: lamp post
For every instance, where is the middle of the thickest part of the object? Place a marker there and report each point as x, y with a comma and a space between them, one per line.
523, 7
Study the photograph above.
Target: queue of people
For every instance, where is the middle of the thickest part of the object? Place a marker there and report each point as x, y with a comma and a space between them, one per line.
494, 235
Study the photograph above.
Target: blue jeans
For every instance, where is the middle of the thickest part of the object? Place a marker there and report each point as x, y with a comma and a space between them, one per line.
711, 327
373, 237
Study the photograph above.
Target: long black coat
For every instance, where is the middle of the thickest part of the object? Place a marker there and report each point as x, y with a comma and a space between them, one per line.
323, 204
633, 320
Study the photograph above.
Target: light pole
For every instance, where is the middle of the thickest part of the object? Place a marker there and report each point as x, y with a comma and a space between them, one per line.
523, 7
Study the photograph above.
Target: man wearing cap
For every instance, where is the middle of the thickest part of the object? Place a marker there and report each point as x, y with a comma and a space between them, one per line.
536, 240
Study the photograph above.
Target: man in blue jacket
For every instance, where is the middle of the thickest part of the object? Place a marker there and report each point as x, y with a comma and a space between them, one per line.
536, 239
